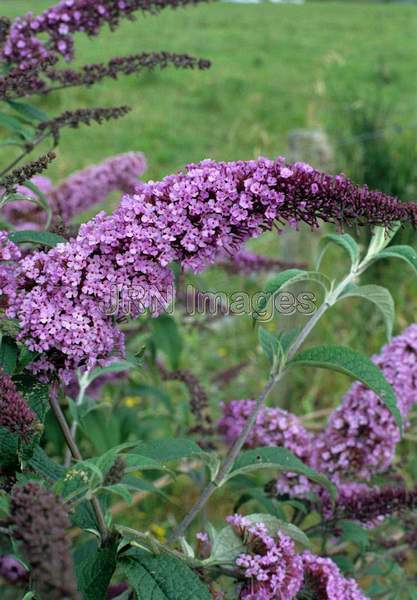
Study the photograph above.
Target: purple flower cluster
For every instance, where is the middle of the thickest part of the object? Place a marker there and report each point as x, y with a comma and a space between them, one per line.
92, 185
191, 218
360, 438
324, 580
273, 570
78, 192
9, 253
25, 46
361, 435
270, 565
369, 505
273, 427
40, 520
15, 414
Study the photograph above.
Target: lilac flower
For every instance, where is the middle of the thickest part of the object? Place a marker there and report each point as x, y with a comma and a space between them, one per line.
92, 185
15, 414
270, 565
40, 520
323, 578
9, 253
79, 192
273, 427
191, 218
361, 435
25, 46
12, 569
369, 505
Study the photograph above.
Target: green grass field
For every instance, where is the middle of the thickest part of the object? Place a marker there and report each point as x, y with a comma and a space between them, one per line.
275, 68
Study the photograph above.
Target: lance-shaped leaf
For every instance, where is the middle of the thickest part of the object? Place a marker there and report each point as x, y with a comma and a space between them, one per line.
380, 296
282, 280
406, 253
44, 238
281, 460
343, 240
162, 577
360, 367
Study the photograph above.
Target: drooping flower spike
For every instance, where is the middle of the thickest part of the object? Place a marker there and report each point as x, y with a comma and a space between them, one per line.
25, 45
78, 192
40, 521
190, 218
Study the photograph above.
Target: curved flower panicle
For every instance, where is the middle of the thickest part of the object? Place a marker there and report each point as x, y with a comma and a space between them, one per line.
91, 186
15, 414
323, 578
191, 218
24, 47
9, 253
79, 192
270, 565
361, 435
40, 521
273, 427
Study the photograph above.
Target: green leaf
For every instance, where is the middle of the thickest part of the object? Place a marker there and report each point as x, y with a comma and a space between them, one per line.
8, 354
10, 122
381, 237
44, 238
288, 337
381, 297
226, 547
343, 240
353, 532
167, 338
273, 524
44, 466
137, 462
270, 344
169, 449
285, 278
9, 444
95, 572
280, 459
115, 367
162, 577
29, 112
406, 253
350, 362
120, 489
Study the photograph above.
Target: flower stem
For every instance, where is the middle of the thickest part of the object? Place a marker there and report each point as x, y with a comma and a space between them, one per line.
275, 376
62, 422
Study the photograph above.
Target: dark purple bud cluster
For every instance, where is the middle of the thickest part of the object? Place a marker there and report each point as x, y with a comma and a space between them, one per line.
40, 520
22, 174
370, 503
85, 116
124, 65
116, 472
25, 43
15, 414
25, 80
